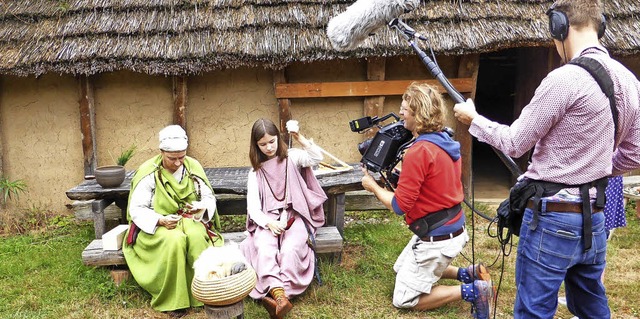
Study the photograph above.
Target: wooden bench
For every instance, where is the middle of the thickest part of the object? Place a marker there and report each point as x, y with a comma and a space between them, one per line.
229, 185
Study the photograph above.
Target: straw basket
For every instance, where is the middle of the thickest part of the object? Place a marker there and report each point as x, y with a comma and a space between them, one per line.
224, 291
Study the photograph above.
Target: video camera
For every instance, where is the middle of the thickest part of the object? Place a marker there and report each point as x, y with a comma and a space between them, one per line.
382, 153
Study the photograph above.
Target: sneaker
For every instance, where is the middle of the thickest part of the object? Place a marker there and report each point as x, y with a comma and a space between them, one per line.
478, 271
481, 306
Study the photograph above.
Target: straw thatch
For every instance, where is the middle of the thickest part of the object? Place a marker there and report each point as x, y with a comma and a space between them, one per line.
175, 37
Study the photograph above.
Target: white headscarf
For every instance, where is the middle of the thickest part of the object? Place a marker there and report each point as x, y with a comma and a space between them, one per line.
173, 138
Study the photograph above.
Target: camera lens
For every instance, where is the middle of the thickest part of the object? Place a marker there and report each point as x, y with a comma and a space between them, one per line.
362, 147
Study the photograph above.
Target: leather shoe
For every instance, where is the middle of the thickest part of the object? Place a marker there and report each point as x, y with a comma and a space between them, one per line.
271, 306
283, 307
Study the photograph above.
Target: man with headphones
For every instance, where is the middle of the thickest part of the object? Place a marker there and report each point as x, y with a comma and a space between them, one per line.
580, 137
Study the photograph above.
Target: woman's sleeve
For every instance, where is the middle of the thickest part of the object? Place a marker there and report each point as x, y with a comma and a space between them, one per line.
140, 207
207, 200
254, 208
306, 157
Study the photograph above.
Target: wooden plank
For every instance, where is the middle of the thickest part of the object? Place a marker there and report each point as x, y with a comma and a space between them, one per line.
93, 255
365, 88
284, 104
468, 68
179, 100
328, 240
374, 105
362, 200
224, 180
88, 125
231, 204
532, 66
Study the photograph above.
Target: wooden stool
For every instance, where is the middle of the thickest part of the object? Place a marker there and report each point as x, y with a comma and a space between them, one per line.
225, 312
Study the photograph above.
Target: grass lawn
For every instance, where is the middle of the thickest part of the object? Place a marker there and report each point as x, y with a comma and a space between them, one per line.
42, 276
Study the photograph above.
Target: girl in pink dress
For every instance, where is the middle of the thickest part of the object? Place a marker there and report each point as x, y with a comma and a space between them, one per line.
284, 208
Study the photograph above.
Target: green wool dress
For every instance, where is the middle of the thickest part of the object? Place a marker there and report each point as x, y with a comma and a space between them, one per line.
162, 263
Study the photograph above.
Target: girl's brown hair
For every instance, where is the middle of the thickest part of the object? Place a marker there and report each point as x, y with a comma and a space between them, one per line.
427, 105
260, 128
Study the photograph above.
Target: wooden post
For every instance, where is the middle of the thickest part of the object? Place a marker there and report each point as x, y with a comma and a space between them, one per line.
284, 105
532, 66
180, 100
87, 125
120, 275
468, 67
374, 105
225, 312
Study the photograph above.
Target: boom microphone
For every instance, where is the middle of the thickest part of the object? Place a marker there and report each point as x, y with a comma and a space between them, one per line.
362, 18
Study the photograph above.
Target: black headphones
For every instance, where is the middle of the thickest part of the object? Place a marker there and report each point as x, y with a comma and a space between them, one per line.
559, 24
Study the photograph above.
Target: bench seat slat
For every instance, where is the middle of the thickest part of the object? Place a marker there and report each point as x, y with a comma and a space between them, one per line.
328, 240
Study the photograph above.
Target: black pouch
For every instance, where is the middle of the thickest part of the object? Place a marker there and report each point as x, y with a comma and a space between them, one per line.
511, 210
420, 227
504, 214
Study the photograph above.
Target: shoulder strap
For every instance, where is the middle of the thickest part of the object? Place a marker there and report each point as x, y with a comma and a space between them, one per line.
603, 79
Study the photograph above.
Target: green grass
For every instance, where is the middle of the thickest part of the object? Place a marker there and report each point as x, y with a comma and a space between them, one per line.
42, 276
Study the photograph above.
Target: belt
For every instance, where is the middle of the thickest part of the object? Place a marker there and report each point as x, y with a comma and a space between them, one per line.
443, 237
564, 207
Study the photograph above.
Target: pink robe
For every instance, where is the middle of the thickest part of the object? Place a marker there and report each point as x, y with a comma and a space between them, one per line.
286, 260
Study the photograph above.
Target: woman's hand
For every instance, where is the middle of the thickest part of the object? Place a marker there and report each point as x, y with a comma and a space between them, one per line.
169, 221
368, 182
294, 131
275, 227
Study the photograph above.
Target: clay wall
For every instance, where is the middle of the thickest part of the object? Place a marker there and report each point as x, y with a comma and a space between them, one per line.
40, 120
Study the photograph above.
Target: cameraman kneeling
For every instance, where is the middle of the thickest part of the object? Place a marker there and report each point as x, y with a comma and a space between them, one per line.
429, 194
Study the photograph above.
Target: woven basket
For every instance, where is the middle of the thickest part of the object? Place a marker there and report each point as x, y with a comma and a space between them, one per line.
224, 291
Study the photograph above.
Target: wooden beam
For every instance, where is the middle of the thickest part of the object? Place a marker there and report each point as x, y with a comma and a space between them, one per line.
87, 125
179, 100
468, 68
533, 64
284, 104
365, 88
374, 105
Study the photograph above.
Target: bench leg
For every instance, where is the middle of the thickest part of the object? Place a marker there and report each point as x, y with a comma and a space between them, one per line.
98, 207
335, 211
120, 275
122, 204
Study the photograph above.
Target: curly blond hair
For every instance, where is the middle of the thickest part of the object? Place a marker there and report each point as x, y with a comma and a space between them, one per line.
427, 105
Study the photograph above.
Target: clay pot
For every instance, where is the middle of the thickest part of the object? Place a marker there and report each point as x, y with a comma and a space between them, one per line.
110, 176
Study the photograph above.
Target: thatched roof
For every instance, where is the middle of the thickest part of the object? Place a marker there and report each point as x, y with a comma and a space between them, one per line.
193, 36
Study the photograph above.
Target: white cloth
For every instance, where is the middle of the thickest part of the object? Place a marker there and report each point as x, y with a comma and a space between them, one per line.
141, 210
173, 138
292, 126
306, 157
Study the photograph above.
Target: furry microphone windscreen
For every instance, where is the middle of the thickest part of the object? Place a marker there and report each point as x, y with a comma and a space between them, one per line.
348, 29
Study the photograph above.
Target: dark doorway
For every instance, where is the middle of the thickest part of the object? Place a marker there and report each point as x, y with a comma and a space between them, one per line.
495, 100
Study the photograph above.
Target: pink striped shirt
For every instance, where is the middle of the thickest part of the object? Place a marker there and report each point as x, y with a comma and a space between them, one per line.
570, 124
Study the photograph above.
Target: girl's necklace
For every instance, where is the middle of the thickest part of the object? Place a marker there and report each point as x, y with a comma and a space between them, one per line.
286, 172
